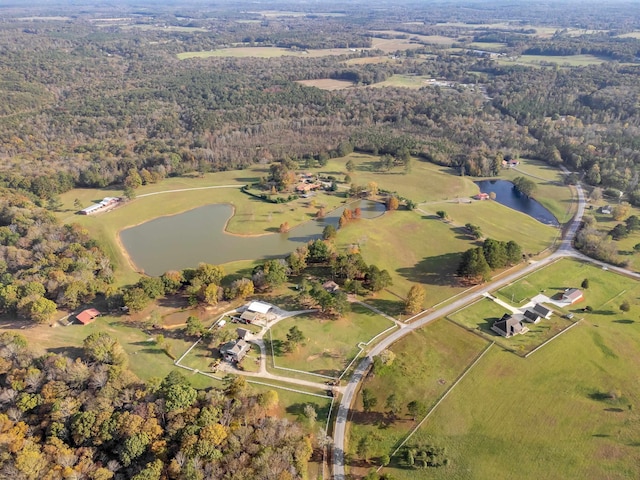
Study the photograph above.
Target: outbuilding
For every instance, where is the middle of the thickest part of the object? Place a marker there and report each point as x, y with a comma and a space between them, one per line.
87, 316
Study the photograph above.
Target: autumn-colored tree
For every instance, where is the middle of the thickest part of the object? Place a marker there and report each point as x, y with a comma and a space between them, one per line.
415, 300
392, 203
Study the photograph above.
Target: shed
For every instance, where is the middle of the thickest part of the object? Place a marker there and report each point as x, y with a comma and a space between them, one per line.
541, 310
87, 316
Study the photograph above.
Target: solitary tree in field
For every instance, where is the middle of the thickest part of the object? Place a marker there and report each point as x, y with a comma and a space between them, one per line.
294, 337
415, 300
351, 166
442, 214
585, 283
416, 409
625, 306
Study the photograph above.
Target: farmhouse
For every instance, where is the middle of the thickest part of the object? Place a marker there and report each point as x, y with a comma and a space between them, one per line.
87, 316
509, 325
235, 350
572, 295
106, 202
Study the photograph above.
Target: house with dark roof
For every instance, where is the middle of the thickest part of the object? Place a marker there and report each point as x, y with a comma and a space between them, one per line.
531, 316
541, 310
572, 295
509, 325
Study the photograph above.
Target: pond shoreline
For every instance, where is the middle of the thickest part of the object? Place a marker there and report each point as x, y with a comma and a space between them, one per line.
225, 231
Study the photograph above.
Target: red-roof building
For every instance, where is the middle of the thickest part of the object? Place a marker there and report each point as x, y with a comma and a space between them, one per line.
87, 316
482, 196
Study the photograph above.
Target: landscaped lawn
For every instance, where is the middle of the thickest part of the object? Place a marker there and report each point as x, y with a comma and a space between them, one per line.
427, 362
568, 411
481, 315
330, 344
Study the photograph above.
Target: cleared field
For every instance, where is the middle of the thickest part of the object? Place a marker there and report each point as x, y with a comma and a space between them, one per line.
481, 315
369, 60
562, 60
330, 343
496, 221
406, 81
568, 411
394, 44
629, 35
425, 182
605, 293
488, 46
327, 84
433, 39
427, 362
551, 192
426, 250
263, 52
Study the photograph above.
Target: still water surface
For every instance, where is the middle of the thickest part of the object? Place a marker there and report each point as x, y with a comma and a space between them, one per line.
184, 240
510, 197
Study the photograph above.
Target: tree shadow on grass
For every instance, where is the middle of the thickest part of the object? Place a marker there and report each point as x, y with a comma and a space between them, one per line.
437, 270
276, 346
390, 307
367, 418
71, 352
625, 322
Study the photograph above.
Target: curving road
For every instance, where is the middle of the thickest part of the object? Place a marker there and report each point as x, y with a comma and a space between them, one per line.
565, 249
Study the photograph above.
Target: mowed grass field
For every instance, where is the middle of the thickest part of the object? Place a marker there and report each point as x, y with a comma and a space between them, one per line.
605, 293
427, 362
425, 182
481, 315
330, 344
263, 52
568, 411
327, 84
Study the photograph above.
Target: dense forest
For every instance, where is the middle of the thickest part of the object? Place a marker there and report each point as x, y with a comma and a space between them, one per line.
91, 418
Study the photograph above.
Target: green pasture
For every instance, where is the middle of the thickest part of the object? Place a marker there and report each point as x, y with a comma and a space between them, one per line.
567, 411
551, 192
263, 52
425, 182
488, 46
605, 293
562, 60
330, 344
427, 363
405, 81
497, 221
426, 250
480, 317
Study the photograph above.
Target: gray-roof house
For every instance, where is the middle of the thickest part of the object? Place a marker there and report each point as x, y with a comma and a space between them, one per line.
541, 310
509, 325
235, 350
572, 295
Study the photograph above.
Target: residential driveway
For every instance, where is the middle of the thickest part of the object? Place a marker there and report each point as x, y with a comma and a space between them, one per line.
501, 303
540, 298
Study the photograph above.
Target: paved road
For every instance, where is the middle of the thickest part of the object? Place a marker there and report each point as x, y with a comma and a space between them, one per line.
565, 249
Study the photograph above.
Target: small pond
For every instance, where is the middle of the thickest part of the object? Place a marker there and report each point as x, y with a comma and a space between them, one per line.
184, 240
508, 196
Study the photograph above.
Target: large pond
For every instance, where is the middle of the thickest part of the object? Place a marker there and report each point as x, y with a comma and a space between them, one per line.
507, 195
184, 240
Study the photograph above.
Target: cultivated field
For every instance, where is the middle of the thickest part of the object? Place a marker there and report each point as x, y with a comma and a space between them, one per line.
432, 39
330, 344
263, 52
405, 81
427, 363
